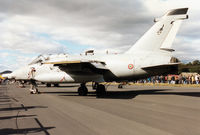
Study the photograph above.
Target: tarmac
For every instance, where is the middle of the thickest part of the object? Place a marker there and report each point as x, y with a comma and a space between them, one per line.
133, 110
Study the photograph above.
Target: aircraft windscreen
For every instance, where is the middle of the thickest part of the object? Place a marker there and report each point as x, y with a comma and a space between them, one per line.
39, 59
42, 58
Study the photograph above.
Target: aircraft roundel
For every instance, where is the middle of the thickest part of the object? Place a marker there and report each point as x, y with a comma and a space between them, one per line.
130, 66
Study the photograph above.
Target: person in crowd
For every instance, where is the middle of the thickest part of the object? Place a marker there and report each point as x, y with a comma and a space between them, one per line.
190, 80
196, 79
180, 79
149, 80
153, 79
173, 79
169, 78
193, 79
184, 80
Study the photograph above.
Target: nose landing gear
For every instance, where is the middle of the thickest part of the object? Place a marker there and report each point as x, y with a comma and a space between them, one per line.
34, 89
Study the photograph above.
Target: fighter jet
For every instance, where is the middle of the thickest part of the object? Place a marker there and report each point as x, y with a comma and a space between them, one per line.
151, 55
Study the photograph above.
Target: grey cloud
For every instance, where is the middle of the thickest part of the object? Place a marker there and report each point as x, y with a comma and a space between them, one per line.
80, 12
112, 17
186, 50
100, 24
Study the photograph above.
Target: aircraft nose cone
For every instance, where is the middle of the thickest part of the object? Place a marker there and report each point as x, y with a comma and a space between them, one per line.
21, 74
13, 75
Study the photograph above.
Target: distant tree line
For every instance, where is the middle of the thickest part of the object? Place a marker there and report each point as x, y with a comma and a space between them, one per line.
193, 66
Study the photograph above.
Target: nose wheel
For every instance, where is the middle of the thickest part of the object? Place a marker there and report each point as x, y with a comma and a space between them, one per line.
33, 89
82, 90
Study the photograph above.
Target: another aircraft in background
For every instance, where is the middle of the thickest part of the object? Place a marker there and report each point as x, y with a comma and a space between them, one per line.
151, 55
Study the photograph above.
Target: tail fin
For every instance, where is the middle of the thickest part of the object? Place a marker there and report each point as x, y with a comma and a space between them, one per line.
161, 35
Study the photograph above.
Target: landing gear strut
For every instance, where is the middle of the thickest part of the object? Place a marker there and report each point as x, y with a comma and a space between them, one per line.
82, 90
33, 89
94, 85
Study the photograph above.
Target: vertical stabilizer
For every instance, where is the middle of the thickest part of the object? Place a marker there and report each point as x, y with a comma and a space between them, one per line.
162, 34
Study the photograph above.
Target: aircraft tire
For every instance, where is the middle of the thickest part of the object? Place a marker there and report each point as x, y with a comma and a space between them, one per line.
34, 91
82, 91
100, 91
120, 86
56, 85
48, 85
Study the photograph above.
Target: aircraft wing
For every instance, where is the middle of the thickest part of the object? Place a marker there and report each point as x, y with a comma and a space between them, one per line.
81, 67
169, 68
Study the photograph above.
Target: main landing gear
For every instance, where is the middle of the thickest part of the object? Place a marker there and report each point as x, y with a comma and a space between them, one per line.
82, 90
120, 86
48, 85
33, 89
100, 90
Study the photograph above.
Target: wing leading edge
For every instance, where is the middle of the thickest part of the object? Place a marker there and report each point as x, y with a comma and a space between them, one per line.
81, 67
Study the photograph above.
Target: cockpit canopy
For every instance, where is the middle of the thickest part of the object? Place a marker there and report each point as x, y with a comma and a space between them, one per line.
39, 59
43, 58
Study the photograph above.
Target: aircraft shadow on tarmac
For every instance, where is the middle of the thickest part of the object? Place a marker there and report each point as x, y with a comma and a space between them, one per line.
10, 131
16, 116
58, 92
131, 93
7, 100
41, 128
4, 99
21, 108
67, 86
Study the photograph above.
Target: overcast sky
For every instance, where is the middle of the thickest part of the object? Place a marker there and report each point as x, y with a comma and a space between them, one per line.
32, 27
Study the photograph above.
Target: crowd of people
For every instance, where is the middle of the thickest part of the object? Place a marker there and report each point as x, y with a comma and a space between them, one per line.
183, 78
173, 79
